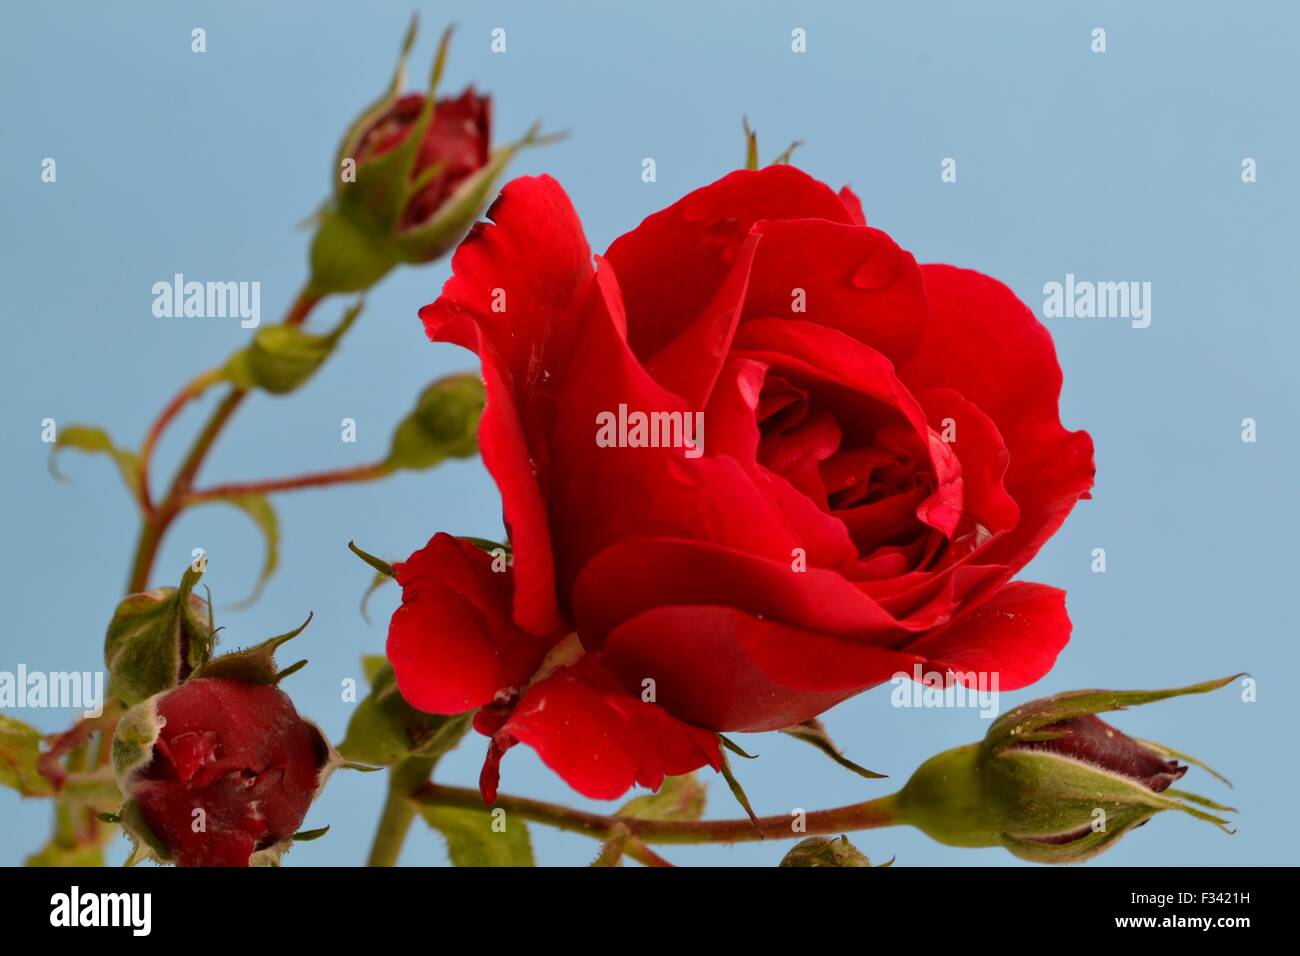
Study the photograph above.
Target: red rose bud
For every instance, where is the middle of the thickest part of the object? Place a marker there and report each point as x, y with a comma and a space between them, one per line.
218, 772
1052, 782
221, 770
454, 146
411, 176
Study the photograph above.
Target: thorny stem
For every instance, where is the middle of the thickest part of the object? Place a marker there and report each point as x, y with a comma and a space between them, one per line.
881, 812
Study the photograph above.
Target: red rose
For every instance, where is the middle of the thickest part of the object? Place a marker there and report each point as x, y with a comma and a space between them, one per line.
456, 145
239, 753
881, 453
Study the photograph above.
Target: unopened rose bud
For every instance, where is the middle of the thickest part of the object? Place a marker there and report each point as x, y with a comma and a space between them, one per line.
443, 425
453, 145
156, 639
1052, 782
412, 174
221, 773
821, 851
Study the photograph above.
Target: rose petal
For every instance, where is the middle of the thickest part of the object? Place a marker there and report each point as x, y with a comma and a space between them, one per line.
452, 643
671, 265
1017, 635
513, 299
600, 738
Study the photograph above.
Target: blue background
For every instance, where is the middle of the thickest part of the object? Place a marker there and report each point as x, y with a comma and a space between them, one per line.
1119, 166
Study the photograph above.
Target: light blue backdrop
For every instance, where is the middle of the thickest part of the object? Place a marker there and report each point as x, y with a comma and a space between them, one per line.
1123, 165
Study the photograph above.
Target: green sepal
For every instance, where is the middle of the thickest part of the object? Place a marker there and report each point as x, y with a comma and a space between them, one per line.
738, 792
1022, 723
253, 665
735, 748
441, 232
145, 845
443, 425
283, 357
375, 111
484, 544
136, 733
814, 732
380, 565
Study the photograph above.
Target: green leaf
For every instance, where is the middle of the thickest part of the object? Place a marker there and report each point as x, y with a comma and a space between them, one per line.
443, 425
385, 729
814, 732
471, 840
55, 853
20, 749
283, 357
258, 509
821, 851
678, 798
95, 441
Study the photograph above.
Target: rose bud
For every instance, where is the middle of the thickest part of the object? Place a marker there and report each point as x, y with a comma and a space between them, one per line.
444, 424
221, 770
412, 174
1052, 782
156, 639
821, 851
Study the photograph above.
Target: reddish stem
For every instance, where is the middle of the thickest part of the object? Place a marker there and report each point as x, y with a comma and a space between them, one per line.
318, 479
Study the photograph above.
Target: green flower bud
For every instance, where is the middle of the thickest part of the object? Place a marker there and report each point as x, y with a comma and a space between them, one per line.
826, 851
1052, 782
443, 425
156, 640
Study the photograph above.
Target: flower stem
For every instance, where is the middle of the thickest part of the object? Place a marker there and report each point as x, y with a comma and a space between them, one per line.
192, 390
881, 812
399, 809
159, 518
338, 476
